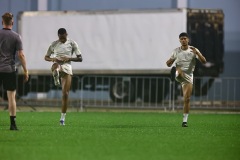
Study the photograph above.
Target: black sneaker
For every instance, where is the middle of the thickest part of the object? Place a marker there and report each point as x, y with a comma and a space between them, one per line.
184, 124
13, 127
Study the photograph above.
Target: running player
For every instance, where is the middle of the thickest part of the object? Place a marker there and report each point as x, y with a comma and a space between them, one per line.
185, 59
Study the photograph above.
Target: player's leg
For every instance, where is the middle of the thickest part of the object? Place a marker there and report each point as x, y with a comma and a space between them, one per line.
187, 92
179, 71
12, 107
179, 75
55, 71
9, 84
66, 85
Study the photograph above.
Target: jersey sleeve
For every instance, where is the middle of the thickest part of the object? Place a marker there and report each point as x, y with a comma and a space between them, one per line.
173, 55
75, 48
51, 48
19, 45
197, 51
49, 51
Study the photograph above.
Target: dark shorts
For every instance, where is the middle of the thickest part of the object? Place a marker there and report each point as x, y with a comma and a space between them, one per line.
8, 80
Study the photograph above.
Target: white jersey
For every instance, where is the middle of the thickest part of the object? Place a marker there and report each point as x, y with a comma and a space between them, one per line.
185, 59
58, 50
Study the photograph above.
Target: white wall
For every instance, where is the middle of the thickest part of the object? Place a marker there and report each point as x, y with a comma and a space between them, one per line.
230, 8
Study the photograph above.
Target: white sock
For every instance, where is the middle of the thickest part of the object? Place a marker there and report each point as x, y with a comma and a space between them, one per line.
185, 117
63, 116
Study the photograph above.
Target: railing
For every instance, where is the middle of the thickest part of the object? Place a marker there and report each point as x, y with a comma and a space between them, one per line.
131, 92
149, 93
219, 93
126, 92
41, 92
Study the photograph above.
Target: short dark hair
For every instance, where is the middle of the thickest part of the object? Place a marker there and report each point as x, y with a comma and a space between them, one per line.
183, 34
62, 31
7, 18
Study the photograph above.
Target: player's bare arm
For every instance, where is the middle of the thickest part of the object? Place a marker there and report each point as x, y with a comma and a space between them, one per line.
48, 58
74, 59
22, 59
202, 59
170, 62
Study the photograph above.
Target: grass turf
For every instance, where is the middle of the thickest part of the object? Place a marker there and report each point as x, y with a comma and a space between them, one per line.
120, 136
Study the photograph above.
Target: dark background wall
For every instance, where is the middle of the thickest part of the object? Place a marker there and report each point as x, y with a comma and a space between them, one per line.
230, 8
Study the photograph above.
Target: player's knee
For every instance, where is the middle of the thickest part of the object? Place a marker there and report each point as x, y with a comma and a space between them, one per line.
187, 99
65, 94
54, 66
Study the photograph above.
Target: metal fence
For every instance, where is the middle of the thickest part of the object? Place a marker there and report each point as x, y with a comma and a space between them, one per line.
41, 92
215, 93
126, 92
133, 92
159, 93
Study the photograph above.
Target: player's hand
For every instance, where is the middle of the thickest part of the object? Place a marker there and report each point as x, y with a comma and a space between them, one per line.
194, 50
170, 62
26, 76
65, 59
59, 60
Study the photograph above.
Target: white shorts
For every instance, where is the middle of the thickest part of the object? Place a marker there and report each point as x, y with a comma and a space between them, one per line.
66, 68
187, 78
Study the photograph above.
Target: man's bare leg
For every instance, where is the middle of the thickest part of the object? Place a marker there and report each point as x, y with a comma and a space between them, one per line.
187, 92
66, 85
179, 74
12, 107
55, 71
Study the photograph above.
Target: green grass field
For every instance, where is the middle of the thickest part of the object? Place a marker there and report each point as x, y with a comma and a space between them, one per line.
120, 136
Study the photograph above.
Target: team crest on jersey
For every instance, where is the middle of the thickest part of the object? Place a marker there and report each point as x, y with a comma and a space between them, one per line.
188, 56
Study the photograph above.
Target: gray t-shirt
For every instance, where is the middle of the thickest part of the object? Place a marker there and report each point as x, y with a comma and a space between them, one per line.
10, 43
185, 59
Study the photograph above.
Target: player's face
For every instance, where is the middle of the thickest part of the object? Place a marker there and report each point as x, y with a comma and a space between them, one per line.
184, 40
62, 37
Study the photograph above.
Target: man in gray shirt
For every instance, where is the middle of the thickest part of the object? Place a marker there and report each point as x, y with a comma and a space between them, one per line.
10, 45
185, 59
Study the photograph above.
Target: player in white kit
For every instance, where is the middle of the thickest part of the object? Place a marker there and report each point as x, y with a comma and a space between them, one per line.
185, 60
60, 52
